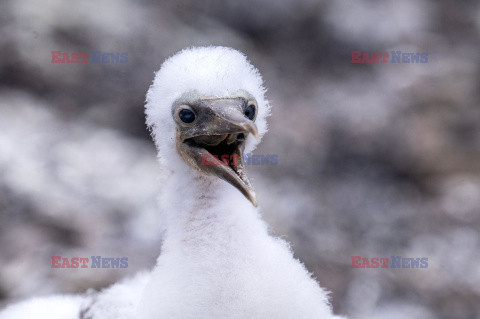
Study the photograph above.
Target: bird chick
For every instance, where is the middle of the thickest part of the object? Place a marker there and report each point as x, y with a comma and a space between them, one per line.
218, 259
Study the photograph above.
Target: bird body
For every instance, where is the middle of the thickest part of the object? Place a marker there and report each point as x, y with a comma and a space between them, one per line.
218, 259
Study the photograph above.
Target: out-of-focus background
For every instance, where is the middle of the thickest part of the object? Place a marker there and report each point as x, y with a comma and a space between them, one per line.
376, 160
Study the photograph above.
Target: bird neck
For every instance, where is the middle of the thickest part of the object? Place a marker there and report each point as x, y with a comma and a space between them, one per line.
206, 212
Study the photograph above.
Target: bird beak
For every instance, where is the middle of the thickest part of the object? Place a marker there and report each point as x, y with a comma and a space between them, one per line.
214, 144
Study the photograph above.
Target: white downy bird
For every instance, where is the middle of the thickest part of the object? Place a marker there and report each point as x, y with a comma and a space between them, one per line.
217, 260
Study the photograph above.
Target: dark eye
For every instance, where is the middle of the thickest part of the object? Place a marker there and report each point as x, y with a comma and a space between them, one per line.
186, 116
250, 112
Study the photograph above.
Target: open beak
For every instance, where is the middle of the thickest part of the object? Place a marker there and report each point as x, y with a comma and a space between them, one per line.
215, 144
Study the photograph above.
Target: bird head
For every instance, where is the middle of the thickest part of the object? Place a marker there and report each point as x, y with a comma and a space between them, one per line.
206, 108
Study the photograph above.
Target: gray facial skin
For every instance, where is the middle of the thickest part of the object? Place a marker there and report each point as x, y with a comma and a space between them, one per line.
220, 129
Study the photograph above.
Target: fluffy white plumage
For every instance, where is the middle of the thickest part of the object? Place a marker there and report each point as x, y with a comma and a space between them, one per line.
54, 307
217, 260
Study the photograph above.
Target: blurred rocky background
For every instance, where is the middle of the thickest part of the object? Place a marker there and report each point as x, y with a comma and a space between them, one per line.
376, 160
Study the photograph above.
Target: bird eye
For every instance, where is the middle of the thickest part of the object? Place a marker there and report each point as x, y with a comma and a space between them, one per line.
187, 116
250, 111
